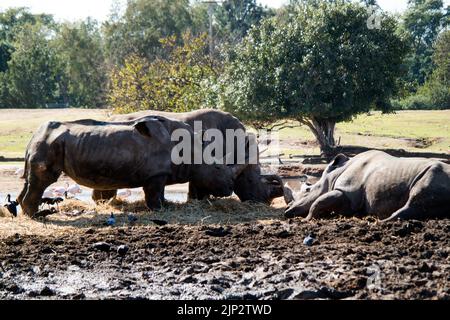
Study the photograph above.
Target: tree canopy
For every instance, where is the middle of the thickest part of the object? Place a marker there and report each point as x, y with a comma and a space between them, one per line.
320, 66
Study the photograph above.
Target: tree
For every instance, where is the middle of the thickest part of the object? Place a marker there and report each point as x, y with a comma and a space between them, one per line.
12, 21
82, 77
144, 23
435, 93
320, 66
231, 18
31, 71
178, 83
423, 20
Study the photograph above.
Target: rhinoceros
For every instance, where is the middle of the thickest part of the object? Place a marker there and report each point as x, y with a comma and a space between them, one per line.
375, 183
106, 156
250, 185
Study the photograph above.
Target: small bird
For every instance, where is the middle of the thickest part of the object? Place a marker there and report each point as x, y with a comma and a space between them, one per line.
48, 193
123, 194
308, 241
111, 220
44, 213
132, 218
59, 191
159, 222
19, 172
73, 189
52, 201
11, 206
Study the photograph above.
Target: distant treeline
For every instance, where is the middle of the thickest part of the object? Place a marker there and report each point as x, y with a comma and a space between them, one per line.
157, 54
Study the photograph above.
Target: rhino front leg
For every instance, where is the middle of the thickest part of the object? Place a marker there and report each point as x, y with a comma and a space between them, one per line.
154, 192
333, 201
38, 181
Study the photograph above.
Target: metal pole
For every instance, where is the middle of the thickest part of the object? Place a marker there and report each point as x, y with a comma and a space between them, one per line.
211, 4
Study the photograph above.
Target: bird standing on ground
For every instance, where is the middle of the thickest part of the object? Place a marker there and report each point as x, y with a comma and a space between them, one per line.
159, 222
11, 206
123, 194
43, 214
19, 172
111, 220
132, 218
52, 201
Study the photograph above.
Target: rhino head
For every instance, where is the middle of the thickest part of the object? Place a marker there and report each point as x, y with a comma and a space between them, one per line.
251, 185
308, 194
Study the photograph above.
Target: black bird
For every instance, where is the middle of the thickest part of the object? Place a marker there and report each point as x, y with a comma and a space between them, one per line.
11, 206
159, 222
52, 201
44, 213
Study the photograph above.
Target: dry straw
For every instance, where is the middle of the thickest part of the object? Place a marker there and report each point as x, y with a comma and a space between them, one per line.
75, 214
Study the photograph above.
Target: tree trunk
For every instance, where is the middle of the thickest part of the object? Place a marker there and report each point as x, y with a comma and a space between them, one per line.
323, 130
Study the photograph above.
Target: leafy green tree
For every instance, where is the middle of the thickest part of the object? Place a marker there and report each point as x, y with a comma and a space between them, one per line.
31, 78
144, 22
82, 76
179, 83
236, 17
14, 18
435, 93
11, 23
231, 18
321, 66
423, 20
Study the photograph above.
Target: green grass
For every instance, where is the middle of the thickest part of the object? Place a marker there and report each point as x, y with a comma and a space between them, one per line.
18, 125
389, 131
375, 130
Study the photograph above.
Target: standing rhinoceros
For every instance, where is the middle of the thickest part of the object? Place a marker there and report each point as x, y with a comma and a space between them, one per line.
375, 183
106, 156
249, 185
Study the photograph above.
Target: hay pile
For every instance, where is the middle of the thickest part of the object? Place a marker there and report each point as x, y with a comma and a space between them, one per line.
75, 215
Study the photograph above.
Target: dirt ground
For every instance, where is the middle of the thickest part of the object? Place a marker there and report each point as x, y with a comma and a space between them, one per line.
349, 259
218, 249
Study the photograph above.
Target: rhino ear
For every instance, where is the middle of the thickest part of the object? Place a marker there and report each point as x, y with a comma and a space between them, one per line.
153, 129
338, 161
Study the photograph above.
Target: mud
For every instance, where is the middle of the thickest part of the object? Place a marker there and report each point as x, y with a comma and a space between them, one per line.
349, 259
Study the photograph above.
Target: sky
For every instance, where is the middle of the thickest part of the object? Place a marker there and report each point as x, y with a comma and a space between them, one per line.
99, 9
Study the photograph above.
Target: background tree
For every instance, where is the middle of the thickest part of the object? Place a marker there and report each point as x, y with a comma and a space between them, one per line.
82, 78
435, 93
323, 65
31, 78
179, 83
12, 23
144, 23
423, 20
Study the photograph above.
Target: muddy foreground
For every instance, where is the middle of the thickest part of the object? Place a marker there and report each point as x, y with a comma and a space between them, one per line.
350, 258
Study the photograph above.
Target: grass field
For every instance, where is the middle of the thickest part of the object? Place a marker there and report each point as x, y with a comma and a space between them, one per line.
18, 125
409, 130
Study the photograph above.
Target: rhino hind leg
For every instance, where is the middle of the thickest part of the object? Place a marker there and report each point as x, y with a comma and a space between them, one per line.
429, 198
196, 193
333, 201
154, 192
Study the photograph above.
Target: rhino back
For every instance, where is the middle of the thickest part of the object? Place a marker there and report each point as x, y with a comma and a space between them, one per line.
377, 183
112, 156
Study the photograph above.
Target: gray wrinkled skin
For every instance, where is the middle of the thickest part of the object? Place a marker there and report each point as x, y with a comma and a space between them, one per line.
249, 185
107, 156
375, 183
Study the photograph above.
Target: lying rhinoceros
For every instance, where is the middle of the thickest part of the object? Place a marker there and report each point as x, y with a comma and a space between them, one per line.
250, 185
105, 156
375, 183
